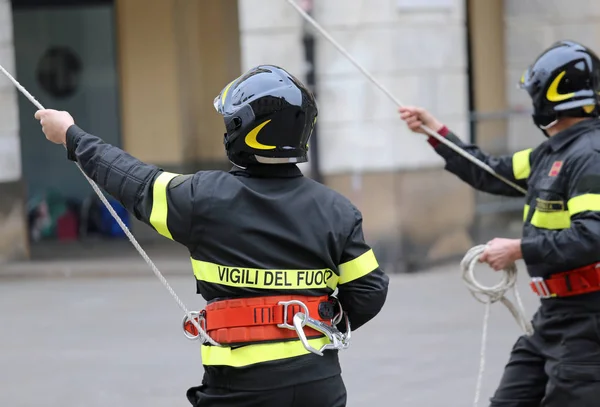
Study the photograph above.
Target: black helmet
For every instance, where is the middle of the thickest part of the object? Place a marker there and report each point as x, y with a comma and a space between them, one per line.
563, 81
269, 117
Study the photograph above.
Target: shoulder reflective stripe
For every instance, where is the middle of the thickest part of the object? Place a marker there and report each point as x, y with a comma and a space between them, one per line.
251, 354
582, 203
525, 212
520, 164
160, 210
240, 276
551, 220
360, 266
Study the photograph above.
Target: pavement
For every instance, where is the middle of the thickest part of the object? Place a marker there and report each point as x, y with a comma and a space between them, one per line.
99, 259
73, 336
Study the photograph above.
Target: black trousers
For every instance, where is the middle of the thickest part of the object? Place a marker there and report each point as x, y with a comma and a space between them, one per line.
558, 366
329, 392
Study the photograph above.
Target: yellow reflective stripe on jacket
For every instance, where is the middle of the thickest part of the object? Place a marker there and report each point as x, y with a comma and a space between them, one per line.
247, 277
360, 266
160, 209
585, 202
520, 164
551, 220
251, 354
556, 220
525, 212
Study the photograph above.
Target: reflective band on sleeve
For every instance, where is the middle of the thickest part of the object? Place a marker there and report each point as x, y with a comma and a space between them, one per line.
551, 220
520, 164
582, 203
247, 277
160, 209
525, 212
251, 354
360, 266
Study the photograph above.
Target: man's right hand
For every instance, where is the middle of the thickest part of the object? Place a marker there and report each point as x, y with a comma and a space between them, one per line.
415, 117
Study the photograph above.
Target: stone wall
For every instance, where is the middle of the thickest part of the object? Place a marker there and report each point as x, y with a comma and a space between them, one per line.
413, 212
530, 27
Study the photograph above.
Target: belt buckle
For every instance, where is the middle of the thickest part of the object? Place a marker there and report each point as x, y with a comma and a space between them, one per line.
541, 287
286, 305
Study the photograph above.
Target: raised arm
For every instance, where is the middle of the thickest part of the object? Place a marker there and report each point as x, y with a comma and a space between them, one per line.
514, 167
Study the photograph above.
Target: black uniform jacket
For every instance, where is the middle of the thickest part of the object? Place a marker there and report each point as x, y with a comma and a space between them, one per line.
265, 231
561, 229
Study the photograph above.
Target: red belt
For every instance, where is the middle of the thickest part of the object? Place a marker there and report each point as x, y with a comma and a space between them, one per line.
261, 319
574, 282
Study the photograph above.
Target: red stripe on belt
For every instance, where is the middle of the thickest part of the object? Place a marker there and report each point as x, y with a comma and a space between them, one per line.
252, 320
574, 282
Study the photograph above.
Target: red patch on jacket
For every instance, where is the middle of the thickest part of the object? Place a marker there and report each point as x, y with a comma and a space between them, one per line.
556, 167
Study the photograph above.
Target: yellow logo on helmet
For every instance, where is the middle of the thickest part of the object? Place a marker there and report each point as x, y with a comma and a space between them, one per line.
253, 134
552, 95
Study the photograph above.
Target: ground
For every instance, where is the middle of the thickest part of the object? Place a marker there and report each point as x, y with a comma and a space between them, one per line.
117, 341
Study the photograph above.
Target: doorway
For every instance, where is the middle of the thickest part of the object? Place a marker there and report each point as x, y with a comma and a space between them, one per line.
65, 56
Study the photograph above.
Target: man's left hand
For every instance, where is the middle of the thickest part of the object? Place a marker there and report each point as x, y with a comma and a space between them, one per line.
55, 124
500, 253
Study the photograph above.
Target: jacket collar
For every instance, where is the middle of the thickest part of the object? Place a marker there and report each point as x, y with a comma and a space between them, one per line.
562, 139
268, 171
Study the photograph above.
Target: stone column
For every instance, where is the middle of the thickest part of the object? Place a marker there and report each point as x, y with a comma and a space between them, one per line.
13, 226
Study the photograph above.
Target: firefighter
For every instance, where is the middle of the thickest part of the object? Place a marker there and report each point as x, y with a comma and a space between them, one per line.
559, 365
259, 236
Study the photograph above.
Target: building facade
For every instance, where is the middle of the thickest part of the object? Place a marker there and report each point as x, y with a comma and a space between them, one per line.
148, 73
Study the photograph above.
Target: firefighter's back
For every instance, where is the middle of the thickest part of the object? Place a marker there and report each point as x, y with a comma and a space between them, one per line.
269, 235
269, 249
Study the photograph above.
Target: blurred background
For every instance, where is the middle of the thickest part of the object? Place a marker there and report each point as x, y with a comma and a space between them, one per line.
142, 74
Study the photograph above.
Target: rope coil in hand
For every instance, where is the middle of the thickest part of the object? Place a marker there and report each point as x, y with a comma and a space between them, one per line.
489, 295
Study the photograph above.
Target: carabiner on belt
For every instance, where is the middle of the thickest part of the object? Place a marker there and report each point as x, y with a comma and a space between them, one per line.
338, 340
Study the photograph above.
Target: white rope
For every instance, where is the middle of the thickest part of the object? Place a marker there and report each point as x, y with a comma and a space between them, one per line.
483, 294
490, 295
203, 335
429, 132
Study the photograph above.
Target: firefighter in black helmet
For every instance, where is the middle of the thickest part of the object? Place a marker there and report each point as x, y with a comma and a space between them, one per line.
270, 102
269, 247
559, 365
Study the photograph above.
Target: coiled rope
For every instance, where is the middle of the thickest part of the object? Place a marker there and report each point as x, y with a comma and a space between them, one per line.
488, 296
483, 294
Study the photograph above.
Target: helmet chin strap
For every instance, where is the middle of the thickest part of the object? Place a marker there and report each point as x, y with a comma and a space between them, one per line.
543, 127
239, 166
546, 127
551, 124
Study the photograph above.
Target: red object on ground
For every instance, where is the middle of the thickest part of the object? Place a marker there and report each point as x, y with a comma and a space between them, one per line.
67, 227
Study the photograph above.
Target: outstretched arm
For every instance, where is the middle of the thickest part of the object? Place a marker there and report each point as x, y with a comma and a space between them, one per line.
515, 167
160, 199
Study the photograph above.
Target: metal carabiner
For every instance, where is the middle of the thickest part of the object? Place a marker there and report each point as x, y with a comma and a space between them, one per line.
286, 304
199, 315
338, 340
338, 318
